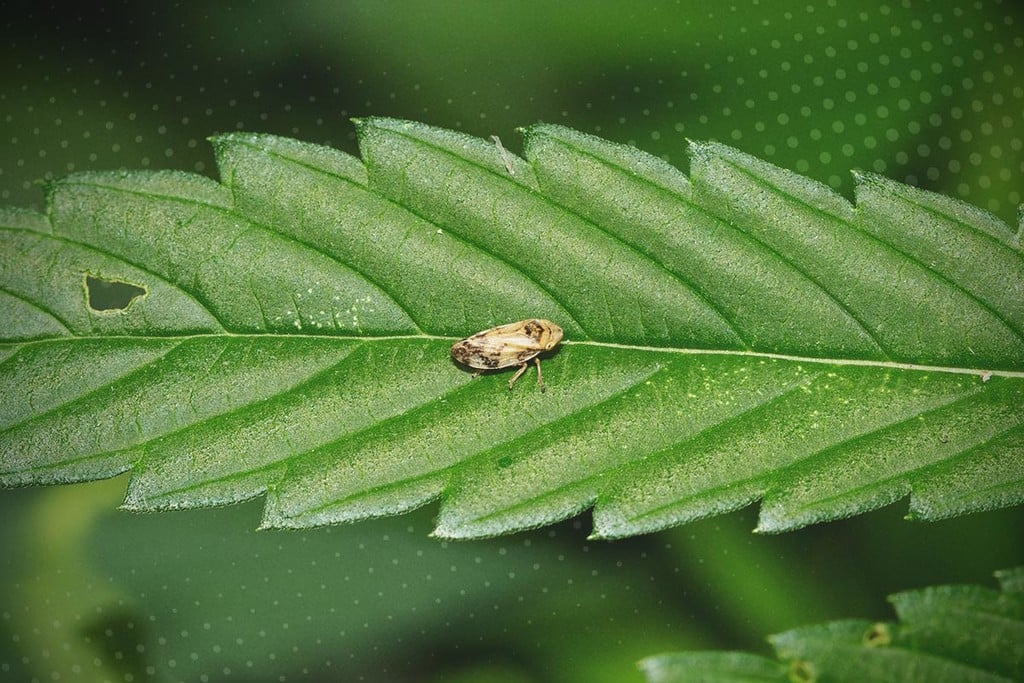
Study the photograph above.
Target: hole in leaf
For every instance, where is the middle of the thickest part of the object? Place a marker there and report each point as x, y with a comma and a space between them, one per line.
878, 635
801, 671
110, 295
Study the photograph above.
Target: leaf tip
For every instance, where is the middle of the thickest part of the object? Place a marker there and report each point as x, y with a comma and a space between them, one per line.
609, 524
701, 149
916, 515
767, 523
363, 122
1019, 235
49, 189
867, 179
275, 521
441, 535
541, 128
134, 494
219, 141
454, 530
273, 516
444, 532
704, 150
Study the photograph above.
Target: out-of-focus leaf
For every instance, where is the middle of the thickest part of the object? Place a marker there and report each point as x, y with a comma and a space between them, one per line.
945, 633
712, 667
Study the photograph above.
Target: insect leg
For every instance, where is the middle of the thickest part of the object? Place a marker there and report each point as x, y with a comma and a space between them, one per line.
519, 373
540, 377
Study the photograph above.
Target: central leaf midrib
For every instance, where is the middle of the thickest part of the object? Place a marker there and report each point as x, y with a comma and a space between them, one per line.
639, 348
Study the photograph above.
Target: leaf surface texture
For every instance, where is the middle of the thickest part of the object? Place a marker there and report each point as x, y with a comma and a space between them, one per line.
737, 335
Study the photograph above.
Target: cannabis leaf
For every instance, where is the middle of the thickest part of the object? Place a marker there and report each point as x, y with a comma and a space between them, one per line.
743, 334
944, 633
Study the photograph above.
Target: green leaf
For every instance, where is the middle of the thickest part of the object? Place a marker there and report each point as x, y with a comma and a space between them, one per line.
945, 633
712, 667
737, 335
969, 623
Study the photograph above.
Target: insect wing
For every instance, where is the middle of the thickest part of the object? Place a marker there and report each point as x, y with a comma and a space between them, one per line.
495, 348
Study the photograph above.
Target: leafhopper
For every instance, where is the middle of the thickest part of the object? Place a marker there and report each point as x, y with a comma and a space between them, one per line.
505, 158
507, 345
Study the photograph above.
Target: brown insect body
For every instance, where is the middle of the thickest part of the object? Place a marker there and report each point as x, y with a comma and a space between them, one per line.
508, 345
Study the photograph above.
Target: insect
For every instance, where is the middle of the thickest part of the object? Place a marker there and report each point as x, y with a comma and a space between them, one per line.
505, 158
507, 345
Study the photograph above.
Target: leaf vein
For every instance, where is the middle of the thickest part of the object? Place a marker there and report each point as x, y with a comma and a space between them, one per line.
240, 410
513, 266
106, 384
948, 280
236, 214
828, 292
708, 304
878, 482
39, 307
661, 451
454, 235
174, 285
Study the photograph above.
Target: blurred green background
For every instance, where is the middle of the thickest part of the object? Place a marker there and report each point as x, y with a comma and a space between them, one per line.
927, 93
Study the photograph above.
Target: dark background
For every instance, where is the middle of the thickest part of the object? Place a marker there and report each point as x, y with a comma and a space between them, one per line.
928, 93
